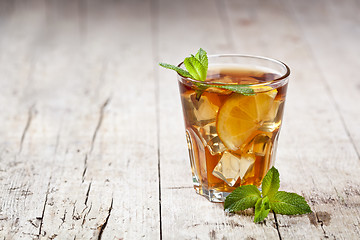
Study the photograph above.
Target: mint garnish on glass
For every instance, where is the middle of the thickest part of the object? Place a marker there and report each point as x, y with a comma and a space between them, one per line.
197, 67
270, 199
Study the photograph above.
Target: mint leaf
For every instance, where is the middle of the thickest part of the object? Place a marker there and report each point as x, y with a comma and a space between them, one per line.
181, 71
195, 68
289, 203
241, 88
200, 90
278, 201
242, 198
270, 183
262, 209
201, 55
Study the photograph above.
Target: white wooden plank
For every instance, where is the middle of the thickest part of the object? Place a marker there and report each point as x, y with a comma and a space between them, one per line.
66, 206
24, 181
90, 167
114, 191
337, 52
331, 49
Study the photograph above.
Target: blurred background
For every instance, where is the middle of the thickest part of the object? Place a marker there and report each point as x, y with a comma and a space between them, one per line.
71, 55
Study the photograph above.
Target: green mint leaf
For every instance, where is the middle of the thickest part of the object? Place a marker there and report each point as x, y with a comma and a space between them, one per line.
195, 68
289, 203
242, 198
278, 201
262, 209
201, 55
181, 71
270, 183
241, 88
200, 90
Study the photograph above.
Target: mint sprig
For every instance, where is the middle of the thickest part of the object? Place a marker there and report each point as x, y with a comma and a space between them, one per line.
270, 199
197, 67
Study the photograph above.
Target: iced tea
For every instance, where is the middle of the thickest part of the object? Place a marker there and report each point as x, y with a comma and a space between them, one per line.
232, 137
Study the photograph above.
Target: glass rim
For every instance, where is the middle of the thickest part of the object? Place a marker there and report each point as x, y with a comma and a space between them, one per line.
282, 77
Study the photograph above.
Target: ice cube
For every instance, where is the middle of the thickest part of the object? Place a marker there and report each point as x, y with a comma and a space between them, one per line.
266, 77
199, 112
219, 91
194, 169
259, 145
224, 79
197, 156
231, 167
216, 76
215, 145
210, 138
273, 118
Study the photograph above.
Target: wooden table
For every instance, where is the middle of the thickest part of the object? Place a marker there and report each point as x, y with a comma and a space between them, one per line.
92, 142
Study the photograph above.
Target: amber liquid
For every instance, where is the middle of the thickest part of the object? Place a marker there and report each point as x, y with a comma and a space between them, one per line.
206, 149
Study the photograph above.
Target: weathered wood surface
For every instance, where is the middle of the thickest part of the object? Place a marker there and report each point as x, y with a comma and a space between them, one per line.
92, 146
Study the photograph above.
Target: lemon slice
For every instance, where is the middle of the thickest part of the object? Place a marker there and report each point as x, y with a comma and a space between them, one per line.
241, 115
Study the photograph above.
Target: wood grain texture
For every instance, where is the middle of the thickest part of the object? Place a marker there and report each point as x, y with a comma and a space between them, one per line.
93, 147
84, 155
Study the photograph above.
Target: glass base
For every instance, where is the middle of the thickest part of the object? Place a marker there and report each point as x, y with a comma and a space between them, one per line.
211, 195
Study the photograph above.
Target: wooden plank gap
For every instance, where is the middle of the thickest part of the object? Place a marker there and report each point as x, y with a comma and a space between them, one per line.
342, 120
155, 50
277, 225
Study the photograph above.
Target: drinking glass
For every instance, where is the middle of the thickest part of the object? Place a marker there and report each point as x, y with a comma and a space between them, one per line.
232, 121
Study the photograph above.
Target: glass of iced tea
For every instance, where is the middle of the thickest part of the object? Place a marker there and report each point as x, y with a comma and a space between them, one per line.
232, 138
